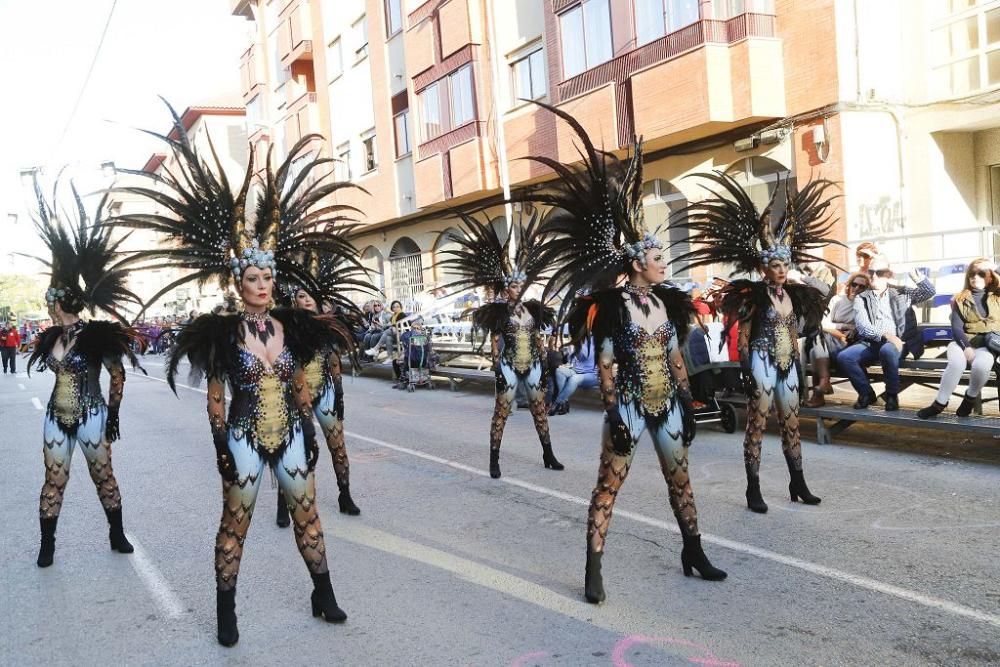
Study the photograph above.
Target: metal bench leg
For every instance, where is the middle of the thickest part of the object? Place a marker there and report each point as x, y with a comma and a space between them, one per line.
452, 384
822, 432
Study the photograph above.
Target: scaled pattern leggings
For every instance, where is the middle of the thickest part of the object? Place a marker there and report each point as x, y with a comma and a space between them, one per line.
673, 455
506, 386
768, 388
58, 453
333, 430
299, 488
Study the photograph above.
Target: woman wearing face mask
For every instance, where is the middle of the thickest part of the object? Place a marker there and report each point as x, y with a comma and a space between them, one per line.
259, 353
597, 238
838, 333
728, 229
514, 325
82, 278
975, 317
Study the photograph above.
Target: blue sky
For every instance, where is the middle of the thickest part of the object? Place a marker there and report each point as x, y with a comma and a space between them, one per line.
186, 50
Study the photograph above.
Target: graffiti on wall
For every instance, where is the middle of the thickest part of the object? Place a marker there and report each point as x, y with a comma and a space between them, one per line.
881, 218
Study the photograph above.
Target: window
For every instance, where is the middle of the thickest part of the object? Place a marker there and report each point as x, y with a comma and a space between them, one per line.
730, 8
586, 36
460, 84
406, 272
656, 18
334, 59
965, 49
393, 17
401, 121
368, 148
360, 32
430, 111
528, 75
343, 168
253, 113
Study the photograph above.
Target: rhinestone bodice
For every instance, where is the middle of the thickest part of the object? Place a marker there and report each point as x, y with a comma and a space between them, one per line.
644, 366
777, 336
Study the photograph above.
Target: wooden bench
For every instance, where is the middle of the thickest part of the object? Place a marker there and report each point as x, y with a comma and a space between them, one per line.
832, 420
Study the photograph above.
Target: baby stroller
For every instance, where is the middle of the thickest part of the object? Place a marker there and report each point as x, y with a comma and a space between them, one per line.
416, 361
709, 374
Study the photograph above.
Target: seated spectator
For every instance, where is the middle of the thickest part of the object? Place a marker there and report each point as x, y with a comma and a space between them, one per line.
581, 372
388, 334
377, 323
975, 321
880, 315
838, 333
864, 254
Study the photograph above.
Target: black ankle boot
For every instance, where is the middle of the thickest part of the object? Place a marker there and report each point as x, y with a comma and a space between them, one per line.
225, 614
932, 410
282, 518
549, 459
965, 409
494, 463
346, 503
692, 557
797, 489
755, 501
891, 402
324, 602
116, 534
594, 583
48, 545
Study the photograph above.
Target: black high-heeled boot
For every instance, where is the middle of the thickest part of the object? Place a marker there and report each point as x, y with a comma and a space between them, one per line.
116, 534
282, 518
346, 503
593, 581
225, 614
494, 463
755, 501
549, 459
692, 557
965, 408
48, 545
932, 410
324, 602
797, 489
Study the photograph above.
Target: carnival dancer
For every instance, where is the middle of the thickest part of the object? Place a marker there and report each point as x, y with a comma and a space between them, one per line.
598, 237
514, 324
259, 352
83, 278
771, 313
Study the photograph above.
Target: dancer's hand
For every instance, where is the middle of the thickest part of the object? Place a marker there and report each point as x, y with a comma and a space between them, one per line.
112, 429
338, 404
621, 437
223, 457
689, 425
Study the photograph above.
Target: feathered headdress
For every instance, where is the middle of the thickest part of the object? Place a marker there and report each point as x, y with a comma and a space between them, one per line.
482, 260
206, 228
334, 276
728, 228
596, 215
82, 264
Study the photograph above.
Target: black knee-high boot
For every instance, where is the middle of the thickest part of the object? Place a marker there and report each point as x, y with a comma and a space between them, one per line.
48, 546
755, 501
116, 534
282, 517
494, 463
225, 613
593, 582
324, 602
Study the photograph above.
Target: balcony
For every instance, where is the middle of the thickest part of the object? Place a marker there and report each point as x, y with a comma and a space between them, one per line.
295, 36
294, 89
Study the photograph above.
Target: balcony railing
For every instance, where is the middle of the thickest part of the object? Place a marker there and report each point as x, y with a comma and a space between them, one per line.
707, 31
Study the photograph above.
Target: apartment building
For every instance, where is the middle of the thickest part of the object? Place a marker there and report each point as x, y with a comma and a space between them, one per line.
227, 128
423, 105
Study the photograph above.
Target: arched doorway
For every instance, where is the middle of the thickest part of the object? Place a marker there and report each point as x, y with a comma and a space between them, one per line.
406, 272
373, 261
661, 203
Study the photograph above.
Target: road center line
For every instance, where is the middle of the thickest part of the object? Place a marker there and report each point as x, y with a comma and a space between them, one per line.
165, 597
37, 403
765, 554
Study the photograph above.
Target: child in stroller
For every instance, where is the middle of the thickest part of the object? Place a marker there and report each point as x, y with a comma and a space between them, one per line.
415, 360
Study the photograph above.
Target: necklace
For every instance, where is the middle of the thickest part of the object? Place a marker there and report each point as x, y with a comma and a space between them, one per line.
71, 331
778, 291
260, 325
640, 295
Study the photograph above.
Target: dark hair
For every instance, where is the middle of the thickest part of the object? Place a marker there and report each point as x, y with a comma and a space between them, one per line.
396, 303
72, 301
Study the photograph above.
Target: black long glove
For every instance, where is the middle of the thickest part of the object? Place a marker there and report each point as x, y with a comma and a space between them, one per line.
621, 437
689, 425
312, 446
500, 377
112, 428
223, 457
338, 403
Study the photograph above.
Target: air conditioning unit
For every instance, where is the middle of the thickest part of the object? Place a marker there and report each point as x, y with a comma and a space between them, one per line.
748, 144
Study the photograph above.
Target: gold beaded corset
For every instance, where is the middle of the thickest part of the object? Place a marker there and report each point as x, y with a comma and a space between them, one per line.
262, 406
644, 367
777, 337
317, 373
73, 398
520, 349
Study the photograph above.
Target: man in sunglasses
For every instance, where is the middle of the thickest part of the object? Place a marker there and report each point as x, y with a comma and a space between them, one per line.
880, 315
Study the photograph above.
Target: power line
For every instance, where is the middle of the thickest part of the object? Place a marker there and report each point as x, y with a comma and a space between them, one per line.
86, 80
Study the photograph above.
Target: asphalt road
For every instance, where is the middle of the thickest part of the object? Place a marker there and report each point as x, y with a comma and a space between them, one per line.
898, 566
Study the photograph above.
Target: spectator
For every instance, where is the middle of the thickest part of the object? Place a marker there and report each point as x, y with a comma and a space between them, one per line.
388, 333
975, 327
838, 333
10, 341
581, 372
864, 254
377, 323
880, 315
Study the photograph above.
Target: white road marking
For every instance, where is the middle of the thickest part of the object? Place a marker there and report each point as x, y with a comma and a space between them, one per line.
766, 554
167, 600
37, 403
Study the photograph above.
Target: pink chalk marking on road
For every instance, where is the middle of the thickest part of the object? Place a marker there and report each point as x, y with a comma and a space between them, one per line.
707, 658
523, 660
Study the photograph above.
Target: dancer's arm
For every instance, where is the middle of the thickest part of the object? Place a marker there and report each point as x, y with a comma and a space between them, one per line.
338, 384
217, 422
303, 402
621, 437
116, 391
495, 351
678, 368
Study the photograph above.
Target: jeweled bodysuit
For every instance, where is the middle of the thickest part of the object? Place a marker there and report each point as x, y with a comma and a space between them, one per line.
646, 389
265, 425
